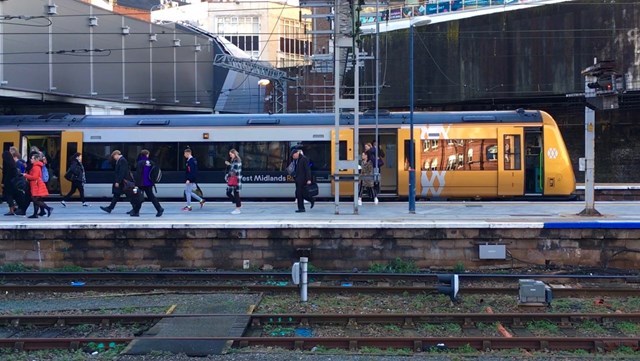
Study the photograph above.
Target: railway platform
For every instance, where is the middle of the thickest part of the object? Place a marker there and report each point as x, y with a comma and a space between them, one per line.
430, 214
270, 235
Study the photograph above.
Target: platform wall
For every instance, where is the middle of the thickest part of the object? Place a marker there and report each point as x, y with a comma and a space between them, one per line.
331, 249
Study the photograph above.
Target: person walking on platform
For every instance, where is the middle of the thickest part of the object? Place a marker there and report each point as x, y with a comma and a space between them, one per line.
22, 196
191, 178
366, 176
234, 179
145, 185
9, 174
302, 178
76, 175
121, 173
37, 185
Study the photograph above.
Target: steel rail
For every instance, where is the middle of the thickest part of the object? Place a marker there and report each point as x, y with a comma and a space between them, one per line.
418, 288
417, 344
258, 320
261, 276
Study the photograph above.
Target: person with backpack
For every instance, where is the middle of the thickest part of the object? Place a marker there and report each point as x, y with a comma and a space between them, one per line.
76, 175
22, 195
38, 187
147, 174
191, 179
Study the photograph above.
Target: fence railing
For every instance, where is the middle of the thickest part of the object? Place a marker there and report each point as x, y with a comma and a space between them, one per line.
434, 7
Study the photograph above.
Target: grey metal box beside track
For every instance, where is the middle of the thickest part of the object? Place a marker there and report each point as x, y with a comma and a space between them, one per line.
532, 291
493, 251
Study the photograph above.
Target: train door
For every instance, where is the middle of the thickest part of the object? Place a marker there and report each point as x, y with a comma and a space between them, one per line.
510, 169
71, 143
49, 145
533, 161
403, 156
345, 153
388, 149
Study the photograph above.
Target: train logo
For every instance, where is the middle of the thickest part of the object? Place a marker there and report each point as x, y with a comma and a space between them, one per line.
429, 183
552, 153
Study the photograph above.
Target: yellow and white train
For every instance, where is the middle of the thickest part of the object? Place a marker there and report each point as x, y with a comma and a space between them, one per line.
479, 155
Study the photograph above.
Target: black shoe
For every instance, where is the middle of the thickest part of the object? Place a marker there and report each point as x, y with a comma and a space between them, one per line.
10, 214
49, 210
106, 209
300, 211
42, 213
159, 214
33, 216
132, 214
21, 213
313, 203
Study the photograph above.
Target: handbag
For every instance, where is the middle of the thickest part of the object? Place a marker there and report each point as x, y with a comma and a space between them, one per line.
198, 191
311, 189
128, 185
232, 181
291, 168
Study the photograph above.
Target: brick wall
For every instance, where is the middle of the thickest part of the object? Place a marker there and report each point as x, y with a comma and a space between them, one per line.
331, 249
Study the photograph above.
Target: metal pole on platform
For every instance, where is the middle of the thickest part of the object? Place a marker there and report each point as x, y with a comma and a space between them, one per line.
412, 171
589, 150
412, 156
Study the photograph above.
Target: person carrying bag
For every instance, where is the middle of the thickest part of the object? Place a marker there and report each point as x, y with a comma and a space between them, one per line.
233, 177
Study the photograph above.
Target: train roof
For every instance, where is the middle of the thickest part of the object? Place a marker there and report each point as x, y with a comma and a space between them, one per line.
63, 120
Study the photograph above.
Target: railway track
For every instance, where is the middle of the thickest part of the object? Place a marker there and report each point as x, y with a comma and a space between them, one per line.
414, 289
405, 322
473, 284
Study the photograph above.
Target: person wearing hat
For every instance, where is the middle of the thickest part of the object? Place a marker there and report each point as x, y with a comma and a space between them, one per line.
302, 178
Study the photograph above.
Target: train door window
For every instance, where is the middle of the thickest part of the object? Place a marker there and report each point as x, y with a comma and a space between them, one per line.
342, 150
512, 153
533, 160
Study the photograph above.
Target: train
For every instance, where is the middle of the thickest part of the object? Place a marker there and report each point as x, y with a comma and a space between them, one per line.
457, 155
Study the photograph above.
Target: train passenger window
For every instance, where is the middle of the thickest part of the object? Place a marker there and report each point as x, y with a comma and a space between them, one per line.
319, 154
163, 154
205, 153
492, 153
97, 156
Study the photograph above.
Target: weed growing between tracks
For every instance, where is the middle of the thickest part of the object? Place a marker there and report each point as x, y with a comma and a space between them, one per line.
94, 354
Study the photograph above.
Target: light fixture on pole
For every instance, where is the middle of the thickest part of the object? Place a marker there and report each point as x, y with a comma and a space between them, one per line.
412, 161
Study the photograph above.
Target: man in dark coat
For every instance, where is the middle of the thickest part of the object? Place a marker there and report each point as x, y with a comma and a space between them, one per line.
121, 173
303, 178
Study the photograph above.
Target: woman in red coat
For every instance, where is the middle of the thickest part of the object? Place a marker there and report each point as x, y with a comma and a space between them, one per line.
37, 185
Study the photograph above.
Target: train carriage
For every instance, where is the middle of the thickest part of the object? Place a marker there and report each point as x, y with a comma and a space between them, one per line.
496, 154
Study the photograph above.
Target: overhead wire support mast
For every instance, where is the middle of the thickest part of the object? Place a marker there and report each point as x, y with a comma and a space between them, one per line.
250, 67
